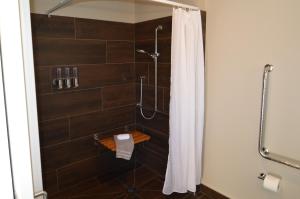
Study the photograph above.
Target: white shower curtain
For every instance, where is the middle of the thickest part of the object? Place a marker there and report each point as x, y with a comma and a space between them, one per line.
184, 167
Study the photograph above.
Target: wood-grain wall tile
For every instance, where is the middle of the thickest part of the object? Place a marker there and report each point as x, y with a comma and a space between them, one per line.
105, 30
105, 74
145, 30
118, 95
60, 155
152, 160
159, 142
54, 157
54, 26
77, 172
159, 123
54, 131
82, 148
103, 165
142, 69
66, 104
163, 75
66, 51
50, 182
101, 121
120, 52
166, 100
43, 80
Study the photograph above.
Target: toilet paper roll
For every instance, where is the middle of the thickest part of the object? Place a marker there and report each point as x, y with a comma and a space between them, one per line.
271, 183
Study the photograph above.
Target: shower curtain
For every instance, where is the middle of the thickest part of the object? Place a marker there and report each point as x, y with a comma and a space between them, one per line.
186, 103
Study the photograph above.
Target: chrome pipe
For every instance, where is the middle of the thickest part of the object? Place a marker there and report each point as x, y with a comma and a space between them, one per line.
58, 6
140, 104
156, 38
263, 151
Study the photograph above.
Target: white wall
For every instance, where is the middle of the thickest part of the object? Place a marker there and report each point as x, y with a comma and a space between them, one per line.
110, 10
243, 36
129, 11
146, 11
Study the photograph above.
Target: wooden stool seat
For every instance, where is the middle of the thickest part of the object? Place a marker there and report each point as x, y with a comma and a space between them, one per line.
137, 136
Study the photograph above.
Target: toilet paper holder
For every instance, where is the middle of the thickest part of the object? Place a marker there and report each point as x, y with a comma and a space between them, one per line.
271, 182
262, 176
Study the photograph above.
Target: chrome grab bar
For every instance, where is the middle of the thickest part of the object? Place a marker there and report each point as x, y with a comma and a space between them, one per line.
263, 151
41, 193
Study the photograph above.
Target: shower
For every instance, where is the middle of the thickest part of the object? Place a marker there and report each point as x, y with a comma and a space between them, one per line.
154, 56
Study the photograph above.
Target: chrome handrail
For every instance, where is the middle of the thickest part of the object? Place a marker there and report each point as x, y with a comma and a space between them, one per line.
263, 151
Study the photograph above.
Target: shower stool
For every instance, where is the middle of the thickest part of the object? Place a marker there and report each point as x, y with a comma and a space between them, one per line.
138, 137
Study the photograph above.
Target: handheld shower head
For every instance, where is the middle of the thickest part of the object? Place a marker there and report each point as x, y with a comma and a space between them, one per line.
141, 51
145, 52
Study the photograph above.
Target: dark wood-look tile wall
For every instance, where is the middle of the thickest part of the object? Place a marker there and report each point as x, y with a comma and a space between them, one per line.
100, 121
53, 51
120, 52
109, 87
54, 131
56, 105
103, 52
103, 30
53, 27
118, 96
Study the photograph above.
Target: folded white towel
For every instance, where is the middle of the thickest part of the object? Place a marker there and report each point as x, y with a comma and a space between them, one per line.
124, 147
123, 136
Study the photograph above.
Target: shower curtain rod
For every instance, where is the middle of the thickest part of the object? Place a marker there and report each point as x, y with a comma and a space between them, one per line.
63, 3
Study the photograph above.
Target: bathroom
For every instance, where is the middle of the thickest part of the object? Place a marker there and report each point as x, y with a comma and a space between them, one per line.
108, 52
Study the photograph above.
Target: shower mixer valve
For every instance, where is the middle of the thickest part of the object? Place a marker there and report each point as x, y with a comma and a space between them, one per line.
65, 78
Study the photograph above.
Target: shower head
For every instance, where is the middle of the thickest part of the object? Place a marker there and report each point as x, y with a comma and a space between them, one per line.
147, 53
141, 51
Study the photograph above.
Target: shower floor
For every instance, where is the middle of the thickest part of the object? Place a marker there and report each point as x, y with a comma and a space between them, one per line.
148, 184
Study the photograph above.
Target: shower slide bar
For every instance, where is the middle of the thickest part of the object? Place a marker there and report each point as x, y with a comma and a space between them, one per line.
63, 3
263, 151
